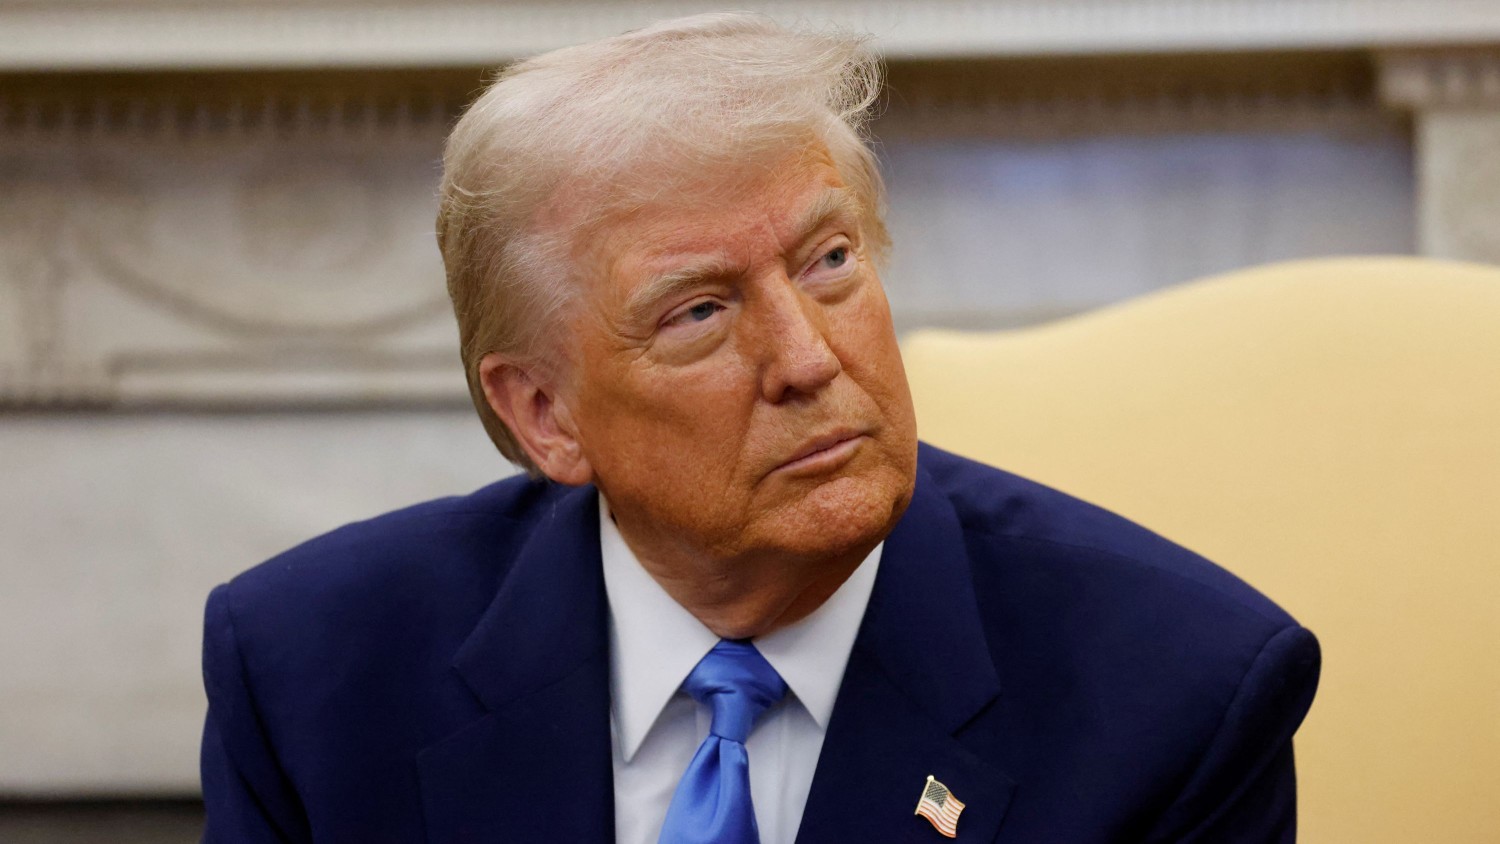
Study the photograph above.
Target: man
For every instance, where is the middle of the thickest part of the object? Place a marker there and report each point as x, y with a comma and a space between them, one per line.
735, 600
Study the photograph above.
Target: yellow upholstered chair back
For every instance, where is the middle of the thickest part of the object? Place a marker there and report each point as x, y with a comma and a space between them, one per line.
1328, 430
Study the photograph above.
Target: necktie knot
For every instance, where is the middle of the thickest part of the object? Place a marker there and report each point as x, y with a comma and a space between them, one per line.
712, 802
737, 683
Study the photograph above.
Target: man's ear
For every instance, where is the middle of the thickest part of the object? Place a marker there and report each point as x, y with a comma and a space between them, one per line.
539, 418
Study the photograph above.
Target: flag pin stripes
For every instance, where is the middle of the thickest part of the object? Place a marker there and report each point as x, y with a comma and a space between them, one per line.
940, 807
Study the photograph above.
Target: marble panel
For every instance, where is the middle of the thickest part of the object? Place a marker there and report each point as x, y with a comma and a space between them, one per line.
113, 528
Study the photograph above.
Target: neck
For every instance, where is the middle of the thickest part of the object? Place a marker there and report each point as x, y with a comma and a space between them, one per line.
749, 594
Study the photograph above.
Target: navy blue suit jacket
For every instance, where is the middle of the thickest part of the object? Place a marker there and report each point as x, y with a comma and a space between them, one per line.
441, 674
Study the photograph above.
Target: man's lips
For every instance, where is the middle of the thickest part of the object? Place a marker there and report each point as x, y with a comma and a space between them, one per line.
824, 453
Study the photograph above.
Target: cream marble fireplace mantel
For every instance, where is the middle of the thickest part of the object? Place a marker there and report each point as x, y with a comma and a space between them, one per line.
222, 322
156, 34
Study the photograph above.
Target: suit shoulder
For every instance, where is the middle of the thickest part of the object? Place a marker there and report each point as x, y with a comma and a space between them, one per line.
442, 546
1071, 537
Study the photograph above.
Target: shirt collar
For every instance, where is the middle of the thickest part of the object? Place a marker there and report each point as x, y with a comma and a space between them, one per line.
655, 642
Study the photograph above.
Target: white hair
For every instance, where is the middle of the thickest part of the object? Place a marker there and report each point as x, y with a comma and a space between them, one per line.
622, 119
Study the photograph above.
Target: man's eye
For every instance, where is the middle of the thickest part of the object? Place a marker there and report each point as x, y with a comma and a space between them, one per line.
836, 258
702, 311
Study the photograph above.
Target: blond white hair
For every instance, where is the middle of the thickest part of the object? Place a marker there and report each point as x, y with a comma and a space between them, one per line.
621, 118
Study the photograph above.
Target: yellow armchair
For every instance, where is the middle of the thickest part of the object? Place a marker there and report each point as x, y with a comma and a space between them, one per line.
1328, 430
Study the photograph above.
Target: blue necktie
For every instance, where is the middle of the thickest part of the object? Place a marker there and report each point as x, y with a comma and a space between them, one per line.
712, 801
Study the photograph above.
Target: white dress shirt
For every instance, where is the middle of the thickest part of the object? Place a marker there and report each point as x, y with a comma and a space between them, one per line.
656, 727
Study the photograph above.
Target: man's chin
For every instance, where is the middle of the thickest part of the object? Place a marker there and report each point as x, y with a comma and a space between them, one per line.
842, 515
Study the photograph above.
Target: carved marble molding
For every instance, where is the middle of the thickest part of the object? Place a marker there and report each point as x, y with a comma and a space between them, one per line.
227, 252
1056, 96
1432, 79
1453, 97
125, 34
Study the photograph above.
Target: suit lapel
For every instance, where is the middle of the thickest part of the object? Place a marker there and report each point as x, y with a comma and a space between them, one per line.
536, 766
920, 670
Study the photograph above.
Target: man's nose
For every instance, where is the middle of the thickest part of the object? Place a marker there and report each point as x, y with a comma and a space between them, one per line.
797, 355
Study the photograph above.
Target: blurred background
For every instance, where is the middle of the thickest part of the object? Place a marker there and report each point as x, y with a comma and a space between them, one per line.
222, 320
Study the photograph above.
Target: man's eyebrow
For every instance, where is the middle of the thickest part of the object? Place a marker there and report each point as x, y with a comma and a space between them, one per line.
831, 204
643, 299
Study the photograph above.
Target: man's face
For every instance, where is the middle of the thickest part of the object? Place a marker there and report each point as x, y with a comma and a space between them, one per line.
736, 384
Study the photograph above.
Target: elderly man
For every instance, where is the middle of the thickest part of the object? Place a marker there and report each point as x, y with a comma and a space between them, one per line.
734, 600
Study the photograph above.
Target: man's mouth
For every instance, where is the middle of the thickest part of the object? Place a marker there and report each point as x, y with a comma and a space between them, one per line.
824, 453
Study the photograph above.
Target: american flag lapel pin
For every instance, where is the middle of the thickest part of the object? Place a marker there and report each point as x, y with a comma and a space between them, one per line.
940, 807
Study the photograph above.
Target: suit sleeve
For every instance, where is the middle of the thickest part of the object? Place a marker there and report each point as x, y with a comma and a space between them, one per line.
246, 796
1244, 789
